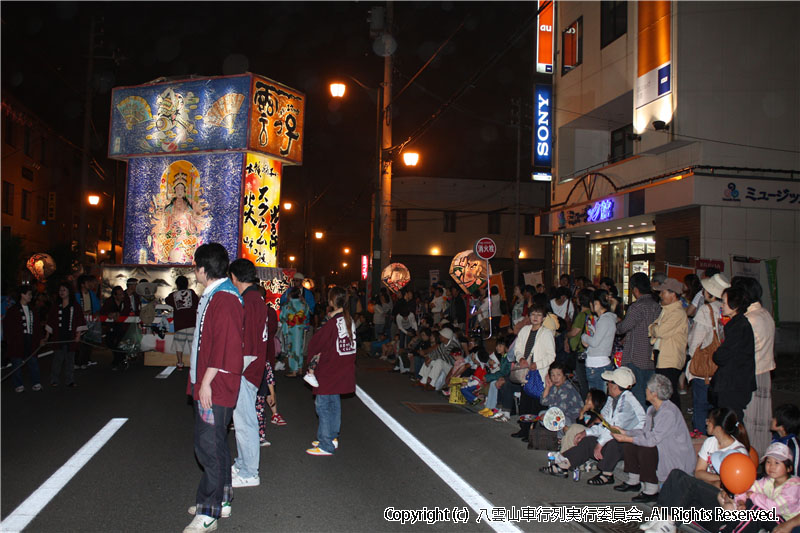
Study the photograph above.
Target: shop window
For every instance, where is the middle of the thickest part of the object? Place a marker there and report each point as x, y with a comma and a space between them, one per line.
572, 46
643, 245
27, 173
530, 224
26, 143
25, 211
401, 219
622, 143
8, 198
41, 209
9, 133
613, 21
449, 221
494, 223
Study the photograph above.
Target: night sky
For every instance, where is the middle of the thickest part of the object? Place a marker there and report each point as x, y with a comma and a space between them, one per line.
305, 46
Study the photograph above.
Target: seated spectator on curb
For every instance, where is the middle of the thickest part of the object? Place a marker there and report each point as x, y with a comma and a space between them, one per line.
406, 325
622, 410
778, 489
438, 361
661, 446
498, 368
414, 350
786, 425
594, 402
534, 349
561, 393
681, 489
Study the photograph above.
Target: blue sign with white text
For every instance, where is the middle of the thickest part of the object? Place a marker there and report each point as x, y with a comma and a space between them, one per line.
543, 126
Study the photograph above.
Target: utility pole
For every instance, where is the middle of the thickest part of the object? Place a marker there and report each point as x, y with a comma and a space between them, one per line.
516, 110
386, 144
87, 125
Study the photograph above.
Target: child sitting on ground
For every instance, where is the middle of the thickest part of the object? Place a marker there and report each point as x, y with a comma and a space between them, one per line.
498, 369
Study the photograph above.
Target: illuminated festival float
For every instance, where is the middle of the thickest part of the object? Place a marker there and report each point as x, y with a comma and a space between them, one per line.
204, 163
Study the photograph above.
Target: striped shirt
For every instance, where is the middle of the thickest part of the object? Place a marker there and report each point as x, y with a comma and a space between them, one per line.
637, 350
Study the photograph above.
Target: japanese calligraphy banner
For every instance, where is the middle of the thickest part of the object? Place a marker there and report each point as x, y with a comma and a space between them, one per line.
176, 203
260, 210
245, 112
276, 120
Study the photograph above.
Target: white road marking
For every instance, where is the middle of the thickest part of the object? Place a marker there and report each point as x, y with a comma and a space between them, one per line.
27, 510
471, 497
166, 372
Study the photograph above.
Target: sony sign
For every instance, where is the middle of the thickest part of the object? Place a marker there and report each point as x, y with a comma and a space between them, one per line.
543, 127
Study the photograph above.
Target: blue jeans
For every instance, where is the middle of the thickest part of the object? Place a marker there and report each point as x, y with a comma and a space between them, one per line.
491, 395
642, 377
211, 449
245, 421
700, 404
593, 376
329, 411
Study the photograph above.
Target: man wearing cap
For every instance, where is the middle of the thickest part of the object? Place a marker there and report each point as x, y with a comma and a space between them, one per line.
637, 353
439, 360
622, 410
669, 334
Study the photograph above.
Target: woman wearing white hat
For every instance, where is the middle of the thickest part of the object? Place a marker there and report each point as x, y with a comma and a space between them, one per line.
701, 335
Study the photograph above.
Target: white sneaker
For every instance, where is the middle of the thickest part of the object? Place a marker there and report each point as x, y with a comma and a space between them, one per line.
265, 443
658, 526
279, 366
315, 444
226, 510
200, 523
311, 379
21, 388
501, 414
37, 387
238, 482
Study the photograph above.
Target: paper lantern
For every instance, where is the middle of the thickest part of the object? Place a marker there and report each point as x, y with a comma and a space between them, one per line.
469, 272
41, 266
395, 276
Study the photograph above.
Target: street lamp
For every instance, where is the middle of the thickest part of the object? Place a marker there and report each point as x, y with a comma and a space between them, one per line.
344, 265
381, 231
318, 235
292, 258
410, 159
287, 206
93, 199
346, 251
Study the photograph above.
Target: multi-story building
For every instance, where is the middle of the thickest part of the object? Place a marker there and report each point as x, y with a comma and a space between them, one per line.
676, 139
433, 219
41, 195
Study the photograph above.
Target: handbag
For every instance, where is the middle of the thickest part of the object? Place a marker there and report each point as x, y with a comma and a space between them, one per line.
534, 387
702, 364
518, 375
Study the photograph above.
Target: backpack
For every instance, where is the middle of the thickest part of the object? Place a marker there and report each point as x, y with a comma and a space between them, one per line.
702, 365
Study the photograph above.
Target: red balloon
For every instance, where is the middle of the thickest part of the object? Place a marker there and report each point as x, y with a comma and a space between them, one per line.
737, 473
754, 456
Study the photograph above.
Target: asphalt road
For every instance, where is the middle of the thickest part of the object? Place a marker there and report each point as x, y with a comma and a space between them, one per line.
145, 476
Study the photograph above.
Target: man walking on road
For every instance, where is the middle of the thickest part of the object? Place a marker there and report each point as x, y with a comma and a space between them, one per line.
245, 419
214, 381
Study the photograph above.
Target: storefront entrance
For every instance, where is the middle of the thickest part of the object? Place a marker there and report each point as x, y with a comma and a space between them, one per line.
619, 258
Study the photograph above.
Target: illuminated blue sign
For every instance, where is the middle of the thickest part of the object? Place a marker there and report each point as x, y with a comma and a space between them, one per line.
543, 97
600, 211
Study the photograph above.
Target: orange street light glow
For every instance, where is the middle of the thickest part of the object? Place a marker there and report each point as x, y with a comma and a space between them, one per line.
346, 250
287, 206
318, 234
435, 251
93, 199
344, 265
411, 159
337, 90
292, 258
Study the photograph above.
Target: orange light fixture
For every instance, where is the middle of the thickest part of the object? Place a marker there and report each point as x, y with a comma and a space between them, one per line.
287, 206
93, 199
318, 234
292, 258
338, 89
410, 159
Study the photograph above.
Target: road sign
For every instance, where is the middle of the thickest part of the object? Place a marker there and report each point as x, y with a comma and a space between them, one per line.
485, 248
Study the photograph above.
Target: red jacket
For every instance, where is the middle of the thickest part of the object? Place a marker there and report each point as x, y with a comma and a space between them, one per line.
255, 334
221, 347
14, 327
73, 318
336, 370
